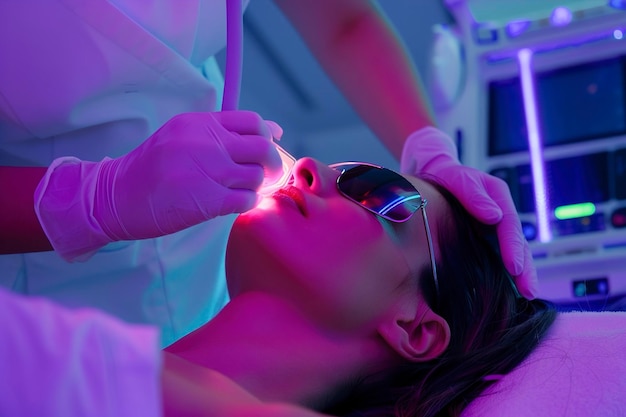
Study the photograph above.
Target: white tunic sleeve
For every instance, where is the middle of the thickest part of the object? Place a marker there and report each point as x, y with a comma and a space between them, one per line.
61, 362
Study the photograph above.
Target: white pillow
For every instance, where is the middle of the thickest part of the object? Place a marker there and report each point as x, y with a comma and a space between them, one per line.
578, 370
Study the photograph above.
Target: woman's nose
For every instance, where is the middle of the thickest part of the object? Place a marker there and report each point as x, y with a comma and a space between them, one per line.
310, 174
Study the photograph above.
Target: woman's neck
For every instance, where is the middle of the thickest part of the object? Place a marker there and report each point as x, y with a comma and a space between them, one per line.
265, 345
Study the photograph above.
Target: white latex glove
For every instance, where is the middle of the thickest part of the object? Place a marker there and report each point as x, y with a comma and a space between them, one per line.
487, 198
195, 167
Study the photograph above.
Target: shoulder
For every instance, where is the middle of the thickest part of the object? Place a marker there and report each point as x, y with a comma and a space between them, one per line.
577, 370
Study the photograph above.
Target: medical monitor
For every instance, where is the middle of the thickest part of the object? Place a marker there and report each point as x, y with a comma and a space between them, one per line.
542, 105
575, 103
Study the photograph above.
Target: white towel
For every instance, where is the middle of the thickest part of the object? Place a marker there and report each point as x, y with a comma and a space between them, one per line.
578, 370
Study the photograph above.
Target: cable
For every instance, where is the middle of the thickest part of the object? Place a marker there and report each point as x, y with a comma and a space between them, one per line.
234, 55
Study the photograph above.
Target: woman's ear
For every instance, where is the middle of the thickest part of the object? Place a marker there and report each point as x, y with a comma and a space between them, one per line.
417, 338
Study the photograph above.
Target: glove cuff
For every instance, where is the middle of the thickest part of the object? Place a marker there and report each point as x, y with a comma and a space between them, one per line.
64, 202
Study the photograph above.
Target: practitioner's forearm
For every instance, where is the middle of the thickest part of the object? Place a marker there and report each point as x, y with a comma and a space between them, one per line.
20, 231
365, 57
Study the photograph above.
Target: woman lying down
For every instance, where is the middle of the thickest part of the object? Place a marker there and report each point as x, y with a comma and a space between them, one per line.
360, 291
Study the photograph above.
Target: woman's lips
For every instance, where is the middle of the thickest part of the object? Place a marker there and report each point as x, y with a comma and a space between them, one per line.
294, 194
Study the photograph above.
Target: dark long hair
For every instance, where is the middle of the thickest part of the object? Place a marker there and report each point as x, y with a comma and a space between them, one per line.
492, 330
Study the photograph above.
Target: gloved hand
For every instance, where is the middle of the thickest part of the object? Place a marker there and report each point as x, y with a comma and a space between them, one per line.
195, 167
487, 198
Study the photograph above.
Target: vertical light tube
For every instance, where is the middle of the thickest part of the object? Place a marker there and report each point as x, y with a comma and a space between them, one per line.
535, 145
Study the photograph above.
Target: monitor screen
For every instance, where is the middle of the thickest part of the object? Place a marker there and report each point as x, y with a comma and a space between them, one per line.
573, 104
579, 179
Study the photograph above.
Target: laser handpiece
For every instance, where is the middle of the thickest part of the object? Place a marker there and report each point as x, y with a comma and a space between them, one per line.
270, 184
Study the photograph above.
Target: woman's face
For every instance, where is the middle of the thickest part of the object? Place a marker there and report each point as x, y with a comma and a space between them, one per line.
340, 263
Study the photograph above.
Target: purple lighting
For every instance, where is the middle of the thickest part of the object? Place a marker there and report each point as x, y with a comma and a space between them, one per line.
524, 57
618, 4
561, 16
517, 27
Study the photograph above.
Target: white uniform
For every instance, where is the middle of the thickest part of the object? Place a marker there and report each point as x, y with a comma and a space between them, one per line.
57, 362
94, 78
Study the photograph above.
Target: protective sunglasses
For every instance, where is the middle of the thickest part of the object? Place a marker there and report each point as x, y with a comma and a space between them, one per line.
386, 194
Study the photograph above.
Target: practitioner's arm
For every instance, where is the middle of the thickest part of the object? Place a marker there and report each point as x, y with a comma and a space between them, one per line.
195, 167
20, 230
367, 60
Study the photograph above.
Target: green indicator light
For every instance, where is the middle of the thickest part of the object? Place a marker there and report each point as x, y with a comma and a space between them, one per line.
574, 211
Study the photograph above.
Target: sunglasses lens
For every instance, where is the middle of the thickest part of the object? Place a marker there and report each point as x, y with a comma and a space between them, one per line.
380, 190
